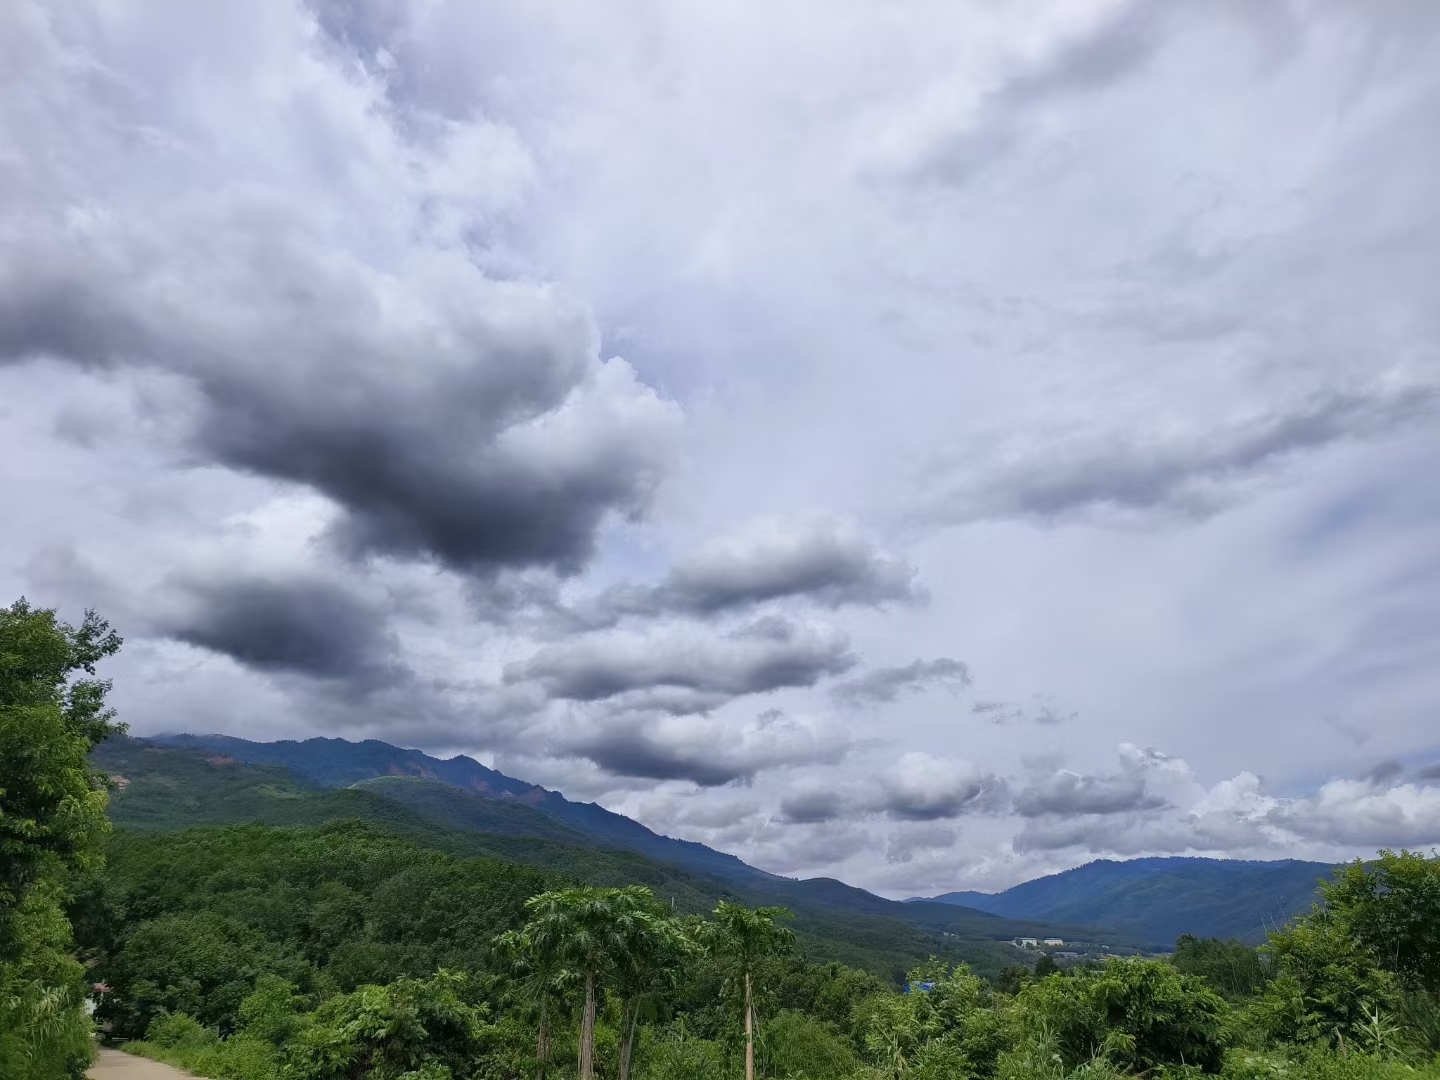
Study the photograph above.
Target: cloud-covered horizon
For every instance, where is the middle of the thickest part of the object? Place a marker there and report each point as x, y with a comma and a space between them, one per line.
848, 437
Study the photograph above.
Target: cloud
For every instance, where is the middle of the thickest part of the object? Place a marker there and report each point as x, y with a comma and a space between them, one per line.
709, 755
907, 841
456, 414
302, 626
1040, 711
765, 655
813, 805
1193, 473
823, 560
883, 685
1069, 793
1384, 772
923, 787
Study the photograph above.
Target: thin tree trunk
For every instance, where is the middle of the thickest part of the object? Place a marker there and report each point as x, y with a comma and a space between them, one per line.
542, 1045
627, 1048
587, 1030
749, 1033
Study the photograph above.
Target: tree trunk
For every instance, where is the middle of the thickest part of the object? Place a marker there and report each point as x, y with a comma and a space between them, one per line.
627, 1048
542, 1045
749, 1033
587, 1030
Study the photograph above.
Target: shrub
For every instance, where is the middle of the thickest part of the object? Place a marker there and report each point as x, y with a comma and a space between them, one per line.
1139, 1013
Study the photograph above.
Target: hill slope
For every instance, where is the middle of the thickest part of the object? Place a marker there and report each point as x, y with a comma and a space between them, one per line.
338, 763
172, 787
1154, 901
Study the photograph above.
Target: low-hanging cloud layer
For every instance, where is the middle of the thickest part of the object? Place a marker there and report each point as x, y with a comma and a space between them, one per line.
930, 445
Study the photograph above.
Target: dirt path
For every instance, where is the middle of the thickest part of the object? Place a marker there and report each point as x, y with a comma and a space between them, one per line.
116, 1065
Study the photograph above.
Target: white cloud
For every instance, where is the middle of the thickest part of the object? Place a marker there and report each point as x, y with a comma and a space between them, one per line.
333, 300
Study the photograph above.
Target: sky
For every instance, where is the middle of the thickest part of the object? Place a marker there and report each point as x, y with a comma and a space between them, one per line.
927, 444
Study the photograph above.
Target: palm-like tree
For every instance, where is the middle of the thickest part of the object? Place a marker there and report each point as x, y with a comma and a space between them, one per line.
748, 936
651, 966
536, 981
591, 931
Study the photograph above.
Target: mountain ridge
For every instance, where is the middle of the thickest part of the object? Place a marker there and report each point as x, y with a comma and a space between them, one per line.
1146, 901
179, 788
1157, 898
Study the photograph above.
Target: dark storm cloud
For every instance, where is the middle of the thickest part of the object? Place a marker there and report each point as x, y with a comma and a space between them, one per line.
302, 627
766, 655
1428, 772
1192, 476
810, 807
708, 755
823, 561
884, 685
451, 416
1070, 793
634, 753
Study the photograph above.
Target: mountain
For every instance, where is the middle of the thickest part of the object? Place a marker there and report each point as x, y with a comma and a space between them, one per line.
1154, 901
337, 763
460, 806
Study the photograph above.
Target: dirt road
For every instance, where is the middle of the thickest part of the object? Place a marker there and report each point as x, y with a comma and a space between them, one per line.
115, 1065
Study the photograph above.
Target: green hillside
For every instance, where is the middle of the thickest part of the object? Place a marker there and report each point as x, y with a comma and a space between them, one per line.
1155, 900
169, 789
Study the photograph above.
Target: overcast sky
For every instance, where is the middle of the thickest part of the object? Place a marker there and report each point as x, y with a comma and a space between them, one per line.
926, 443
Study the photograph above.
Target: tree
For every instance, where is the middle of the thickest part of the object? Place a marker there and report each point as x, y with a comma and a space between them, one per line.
52, 803
52, 817
1326, 984
412, 1027
746, 936
1141, 1013
592, 931
1232, 967
537, 982
1392, 907
649, 967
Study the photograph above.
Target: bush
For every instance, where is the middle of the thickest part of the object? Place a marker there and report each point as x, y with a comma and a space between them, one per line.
385, 1032
793, 1044
178, 1031
1326, 987
1141, 1014
672, 1054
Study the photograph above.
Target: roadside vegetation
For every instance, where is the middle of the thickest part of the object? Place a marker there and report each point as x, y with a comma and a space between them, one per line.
349, 951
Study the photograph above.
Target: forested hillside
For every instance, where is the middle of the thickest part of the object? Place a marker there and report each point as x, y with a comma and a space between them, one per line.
169, 788
1154, 901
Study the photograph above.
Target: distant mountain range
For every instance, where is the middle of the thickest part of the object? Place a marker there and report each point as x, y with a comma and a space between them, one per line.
1154, 901
174, 781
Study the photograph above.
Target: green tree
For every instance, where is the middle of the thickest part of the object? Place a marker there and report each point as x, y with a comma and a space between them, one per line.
52, 803
52, 817
746, 936
536, 983
592, 931
1326, 982
1140, 1013
648, 970
1391, 906
1231, 967
411, 1027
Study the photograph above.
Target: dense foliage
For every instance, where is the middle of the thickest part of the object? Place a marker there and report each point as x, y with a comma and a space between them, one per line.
295, 953
52, 816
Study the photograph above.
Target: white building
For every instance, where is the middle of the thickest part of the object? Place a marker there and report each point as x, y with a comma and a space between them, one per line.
1054, 941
